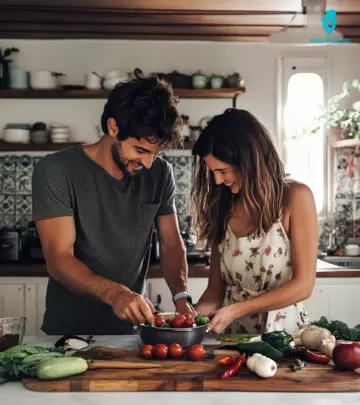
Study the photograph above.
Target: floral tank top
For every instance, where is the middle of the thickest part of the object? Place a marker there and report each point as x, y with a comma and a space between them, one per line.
251, 266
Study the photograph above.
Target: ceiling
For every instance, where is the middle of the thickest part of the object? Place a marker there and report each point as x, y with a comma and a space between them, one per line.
213, 20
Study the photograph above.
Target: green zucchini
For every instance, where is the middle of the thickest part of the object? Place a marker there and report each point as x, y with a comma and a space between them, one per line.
36, 358
263, 348
61, 367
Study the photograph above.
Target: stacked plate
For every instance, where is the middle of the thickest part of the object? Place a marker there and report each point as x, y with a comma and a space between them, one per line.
59, 133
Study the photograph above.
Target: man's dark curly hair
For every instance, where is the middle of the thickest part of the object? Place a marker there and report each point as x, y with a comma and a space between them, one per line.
144, 107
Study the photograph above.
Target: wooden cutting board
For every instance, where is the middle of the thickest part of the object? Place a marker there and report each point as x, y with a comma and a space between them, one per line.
183, 375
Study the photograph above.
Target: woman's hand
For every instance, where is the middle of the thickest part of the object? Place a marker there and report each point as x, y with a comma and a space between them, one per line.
223, 318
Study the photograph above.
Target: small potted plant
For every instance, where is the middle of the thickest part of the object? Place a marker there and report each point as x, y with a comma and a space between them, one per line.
340, 122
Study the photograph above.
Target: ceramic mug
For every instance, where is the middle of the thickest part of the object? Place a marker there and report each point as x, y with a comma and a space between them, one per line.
18, 78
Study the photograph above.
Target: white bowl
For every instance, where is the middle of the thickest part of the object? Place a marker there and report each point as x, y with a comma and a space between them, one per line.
60, 131
60, 136
16, 135
352, 250
109, 84
112, 74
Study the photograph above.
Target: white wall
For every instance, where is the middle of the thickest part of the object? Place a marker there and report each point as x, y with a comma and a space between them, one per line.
256, 62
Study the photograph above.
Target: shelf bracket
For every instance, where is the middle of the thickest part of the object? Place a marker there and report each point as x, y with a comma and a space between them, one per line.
234, 100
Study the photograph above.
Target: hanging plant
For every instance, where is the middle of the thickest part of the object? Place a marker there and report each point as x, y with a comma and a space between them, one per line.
4, 56
4, 65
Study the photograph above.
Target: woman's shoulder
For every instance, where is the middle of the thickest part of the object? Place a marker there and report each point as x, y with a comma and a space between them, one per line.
297, 195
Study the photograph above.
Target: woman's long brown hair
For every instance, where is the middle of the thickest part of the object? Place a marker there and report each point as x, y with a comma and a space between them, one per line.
236, 137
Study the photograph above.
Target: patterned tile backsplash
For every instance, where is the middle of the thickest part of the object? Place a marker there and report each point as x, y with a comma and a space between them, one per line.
15, 186
347, 201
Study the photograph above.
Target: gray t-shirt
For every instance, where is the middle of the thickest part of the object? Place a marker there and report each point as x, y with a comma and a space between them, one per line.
114, 222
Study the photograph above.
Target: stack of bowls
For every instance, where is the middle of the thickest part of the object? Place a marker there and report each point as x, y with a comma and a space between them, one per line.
113, 77
59, 133
17, 133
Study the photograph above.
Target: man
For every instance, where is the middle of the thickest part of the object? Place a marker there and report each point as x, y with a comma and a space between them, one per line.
94, 208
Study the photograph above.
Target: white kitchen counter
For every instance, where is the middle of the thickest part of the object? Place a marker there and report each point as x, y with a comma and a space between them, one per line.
14, 393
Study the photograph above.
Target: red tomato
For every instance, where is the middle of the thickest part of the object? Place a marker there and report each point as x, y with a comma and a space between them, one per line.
188, 323
189, 315
178, 322
146, 351
196, 352
175, 351
160, 351
159, 320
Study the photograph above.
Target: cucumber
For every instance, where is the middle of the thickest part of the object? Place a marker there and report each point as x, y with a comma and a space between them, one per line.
61, 367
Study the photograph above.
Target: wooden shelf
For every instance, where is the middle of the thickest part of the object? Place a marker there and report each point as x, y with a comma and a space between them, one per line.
35, 147
346, 143
96, 94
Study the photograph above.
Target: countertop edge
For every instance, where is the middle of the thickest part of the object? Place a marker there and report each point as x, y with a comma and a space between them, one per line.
196, 270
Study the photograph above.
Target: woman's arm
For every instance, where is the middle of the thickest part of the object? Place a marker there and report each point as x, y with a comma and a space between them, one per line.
303, 235
213, 296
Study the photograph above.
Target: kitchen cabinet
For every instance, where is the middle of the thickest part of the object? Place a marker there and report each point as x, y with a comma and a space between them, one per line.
336, 299
12, 299
24, 297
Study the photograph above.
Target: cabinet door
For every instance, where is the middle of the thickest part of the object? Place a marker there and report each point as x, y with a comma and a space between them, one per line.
12, 300
317, 304
30, 309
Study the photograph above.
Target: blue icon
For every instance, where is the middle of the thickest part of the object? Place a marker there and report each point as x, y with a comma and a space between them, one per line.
329, 21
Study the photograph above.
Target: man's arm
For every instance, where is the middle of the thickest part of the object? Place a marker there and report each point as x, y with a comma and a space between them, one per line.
173, 258
57, 237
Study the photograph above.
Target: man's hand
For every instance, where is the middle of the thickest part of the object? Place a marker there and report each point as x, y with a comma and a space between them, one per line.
133, 307
183, 307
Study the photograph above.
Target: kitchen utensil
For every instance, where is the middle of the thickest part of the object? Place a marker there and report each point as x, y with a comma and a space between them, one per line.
17, 126
216, 81
44, 79
113, 74
184, 336
93, 80
39, 136
18, 78
109, 84
352, 250
12, 331
16, 135
199, 81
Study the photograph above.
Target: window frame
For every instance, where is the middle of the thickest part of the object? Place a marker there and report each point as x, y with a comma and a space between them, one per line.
320, 66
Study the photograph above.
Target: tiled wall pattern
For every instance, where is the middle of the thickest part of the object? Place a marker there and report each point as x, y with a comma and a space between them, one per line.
182, 165
15, 187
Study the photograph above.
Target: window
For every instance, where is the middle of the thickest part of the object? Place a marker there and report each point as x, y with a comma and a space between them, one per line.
304, 152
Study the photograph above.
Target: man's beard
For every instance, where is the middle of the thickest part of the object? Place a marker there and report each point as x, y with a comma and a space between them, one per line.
119, 162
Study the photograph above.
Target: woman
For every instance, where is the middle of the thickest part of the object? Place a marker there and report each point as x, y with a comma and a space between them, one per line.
262, 228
